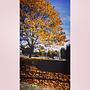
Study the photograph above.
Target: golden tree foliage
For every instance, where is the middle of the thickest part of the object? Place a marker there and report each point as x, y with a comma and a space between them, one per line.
43, 20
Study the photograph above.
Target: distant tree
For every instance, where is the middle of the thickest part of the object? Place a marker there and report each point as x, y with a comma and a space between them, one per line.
41, 50
40, 23
49, 54
68, 53
63, 53
55, 53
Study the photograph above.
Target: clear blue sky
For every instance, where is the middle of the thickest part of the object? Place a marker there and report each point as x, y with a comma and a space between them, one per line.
63, 7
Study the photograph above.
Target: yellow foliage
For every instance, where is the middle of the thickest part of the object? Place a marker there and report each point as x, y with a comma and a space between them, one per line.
41, 26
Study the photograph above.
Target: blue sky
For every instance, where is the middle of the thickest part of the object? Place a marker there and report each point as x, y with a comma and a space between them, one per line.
63, 7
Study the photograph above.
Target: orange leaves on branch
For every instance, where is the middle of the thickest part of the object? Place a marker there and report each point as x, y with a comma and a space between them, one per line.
42, 19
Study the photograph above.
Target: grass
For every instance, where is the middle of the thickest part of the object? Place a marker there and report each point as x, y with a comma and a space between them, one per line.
33, 58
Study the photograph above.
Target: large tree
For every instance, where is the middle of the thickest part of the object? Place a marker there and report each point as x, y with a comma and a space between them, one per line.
40, 23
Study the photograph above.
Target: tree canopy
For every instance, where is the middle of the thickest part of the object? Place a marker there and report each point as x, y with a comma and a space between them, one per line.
40, 21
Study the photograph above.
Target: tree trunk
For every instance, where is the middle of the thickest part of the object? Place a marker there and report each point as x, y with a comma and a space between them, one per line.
31, 50
31, 47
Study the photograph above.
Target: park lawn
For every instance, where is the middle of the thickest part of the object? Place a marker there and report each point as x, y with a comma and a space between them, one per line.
32, 58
